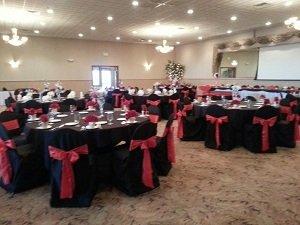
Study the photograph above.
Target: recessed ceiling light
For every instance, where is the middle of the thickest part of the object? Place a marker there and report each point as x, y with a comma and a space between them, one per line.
229, 32
110, 18
134, 32
190, 11
200, 38
177, 42
196, 28
36, 31
42, 23
150, 41
233, 18
80, 35
157, 23
50, 11
118, 38
93, 28
268, 23
135, 3
288, 3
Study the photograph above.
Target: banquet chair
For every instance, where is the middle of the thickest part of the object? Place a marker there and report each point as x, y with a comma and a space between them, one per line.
293, 101
164, 154
219, 133
251, 98
13, 123
72, 175
21, 168
127, 100
116, 98
34, 105
190, 128
65, 93
259, 137
171, 107
184, 93
287, 126
153, 105
65, 104
134, 171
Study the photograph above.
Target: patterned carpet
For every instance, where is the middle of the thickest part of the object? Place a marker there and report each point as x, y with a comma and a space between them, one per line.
205, 187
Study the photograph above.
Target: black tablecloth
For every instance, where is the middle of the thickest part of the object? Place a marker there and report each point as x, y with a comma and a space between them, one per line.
107, 136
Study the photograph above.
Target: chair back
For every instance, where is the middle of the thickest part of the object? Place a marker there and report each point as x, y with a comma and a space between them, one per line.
266, 112
33, 104
65, 104
153, 97
12, 122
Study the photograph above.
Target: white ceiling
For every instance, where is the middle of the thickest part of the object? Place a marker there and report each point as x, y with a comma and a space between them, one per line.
77, 16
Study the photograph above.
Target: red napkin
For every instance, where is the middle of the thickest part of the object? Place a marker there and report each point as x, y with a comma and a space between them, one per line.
44, 118
131, 113
91, 119
54, 105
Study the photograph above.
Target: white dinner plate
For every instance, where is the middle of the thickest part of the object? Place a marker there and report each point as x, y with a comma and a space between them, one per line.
62, 115
123, 114
91, 110
83, 112
44, 128
91, 128
121, 119
31, 120
71, 124
101, 122
54, 121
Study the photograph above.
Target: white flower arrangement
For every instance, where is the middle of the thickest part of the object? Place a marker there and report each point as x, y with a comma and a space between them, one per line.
174, 71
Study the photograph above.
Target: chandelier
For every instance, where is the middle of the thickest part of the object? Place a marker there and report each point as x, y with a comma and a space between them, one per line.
293, 22
15, 40
164, 48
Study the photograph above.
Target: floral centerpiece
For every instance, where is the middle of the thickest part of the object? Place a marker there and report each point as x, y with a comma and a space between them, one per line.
174, 71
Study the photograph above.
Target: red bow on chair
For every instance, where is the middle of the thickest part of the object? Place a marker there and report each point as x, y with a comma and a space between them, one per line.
285, 110
9, 109
67, 185
217, 121
11, 125
153, 103
296, 118
186, 93
169, 132
145, 145
154, 118
127, 103
294, 103
5, 166
266, 123
174, 104
117, 99
33, 111
181, 114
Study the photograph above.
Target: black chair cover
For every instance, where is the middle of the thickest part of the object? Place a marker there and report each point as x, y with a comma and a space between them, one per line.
65, 104
227, 137
27, 167
85, 185
128, 165
253, 132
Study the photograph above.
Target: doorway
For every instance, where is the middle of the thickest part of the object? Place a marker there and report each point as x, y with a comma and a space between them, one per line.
105, 76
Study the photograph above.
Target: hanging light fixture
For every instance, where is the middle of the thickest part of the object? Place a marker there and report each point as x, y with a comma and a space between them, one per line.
293, 22
15, 40
164, 48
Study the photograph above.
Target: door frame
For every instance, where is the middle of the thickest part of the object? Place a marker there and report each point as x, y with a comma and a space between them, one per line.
106, 66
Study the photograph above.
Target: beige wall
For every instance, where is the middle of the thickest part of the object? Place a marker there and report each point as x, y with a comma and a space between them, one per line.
198, 58
46, 58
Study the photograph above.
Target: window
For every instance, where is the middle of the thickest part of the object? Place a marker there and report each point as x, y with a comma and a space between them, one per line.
105, 76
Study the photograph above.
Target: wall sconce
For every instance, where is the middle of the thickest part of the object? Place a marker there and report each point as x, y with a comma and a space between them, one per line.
147, 66
14, 64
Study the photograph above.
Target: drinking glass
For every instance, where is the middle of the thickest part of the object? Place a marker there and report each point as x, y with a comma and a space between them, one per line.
72, 109
77, 117
110, 117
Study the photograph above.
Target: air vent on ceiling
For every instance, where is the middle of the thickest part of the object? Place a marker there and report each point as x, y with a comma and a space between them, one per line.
261, 5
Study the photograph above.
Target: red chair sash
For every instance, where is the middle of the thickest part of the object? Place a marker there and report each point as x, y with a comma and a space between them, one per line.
217, 121
174, 104
294, 103
5, 165
265, 123
181, 114
153, 103
154, 118
127, 103
9, 109
11, 125
169, 133
117, 99
145, 145
185, 93
67, 185
35, 111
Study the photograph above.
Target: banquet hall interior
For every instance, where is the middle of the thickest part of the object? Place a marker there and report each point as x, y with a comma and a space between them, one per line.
150, 112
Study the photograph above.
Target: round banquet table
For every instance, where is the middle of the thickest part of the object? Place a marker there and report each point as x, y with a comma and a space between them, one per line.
238, 117
80, 103
99, 138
